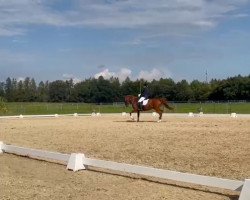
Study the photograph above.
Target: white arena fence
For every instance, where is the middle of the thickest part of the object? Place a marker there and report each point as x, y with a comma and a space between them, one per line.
154, 114
77, 161
43, 116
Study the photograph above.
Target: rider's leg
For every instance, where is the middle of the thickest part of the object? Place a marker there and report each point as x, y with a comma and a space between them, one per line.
140, 102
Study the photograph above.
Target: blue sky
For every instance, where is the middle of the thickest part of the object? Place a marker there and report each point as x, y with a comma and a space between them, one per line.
178, 39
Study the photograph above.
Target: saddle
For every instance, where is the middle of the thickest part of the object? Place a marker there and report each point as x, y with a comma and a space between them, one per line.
142, 104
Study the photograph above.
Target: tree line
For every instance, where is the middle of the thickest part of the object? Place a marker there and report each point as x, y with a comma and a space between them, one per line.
102, 90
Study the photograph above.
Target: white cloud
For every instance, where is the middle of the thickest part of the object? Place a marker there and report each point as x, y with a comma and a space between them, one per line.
240, 15
150, 75
20, 79
161, 16
71, 76
125, 72
105, 74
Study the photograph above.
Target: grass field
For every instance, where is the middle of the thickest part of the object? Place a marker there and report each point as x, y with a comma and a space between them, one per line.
69, 108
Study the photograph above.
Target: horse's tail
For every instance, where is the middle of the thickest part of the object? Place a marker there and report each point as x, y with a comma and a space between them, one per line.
165, 103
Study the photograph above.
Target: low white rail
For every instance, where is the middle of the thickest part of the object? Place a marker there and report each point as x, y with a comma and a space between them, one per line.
79, 161
34, 153
43, 116
166, 174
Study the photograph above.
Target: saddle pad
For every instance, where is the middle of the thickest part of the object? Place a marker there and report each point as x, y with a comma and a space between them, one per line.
145, 102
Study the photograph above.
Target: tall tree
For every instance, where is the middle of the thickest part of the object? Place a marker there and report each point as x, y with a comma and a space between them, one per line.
200, 90
183, 91
2, 89
20, 91
129, 87
58, 91
42, 92
116, 91
8, 90
104, 91
163, 88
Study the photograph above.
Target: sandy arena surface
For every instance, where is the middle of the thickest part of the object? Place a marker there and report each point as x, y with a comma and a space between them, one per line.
213, 146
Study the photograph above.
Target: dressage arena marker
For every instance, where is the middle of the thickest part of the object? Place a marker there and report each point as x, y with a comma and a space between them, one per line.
200, 114
124, 114
98, 114
78, 161
154, 114
75, 162
95, 114
190, 114
233, 115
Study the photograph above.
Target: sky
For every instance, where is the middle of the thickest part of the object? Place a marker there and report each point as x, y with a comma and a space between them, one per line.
78, 39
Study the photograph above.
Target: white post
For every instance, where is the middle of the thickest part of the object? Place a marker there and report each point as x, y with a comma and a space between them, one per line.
75, 162
245, 192
98, 114
1, 147
124, 113
233, 115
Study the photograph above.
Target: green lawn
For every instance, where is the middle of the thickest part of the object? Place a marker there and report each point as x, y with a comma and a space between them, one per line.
223, 108
60, 108
70, 108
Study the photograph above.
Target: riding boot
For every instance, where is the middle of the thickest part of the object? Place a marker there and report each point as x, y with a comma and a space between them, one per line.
141, 106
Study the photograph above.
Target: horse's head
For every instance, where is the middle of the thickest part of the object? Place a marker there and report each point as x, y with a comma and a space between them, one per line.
128, 99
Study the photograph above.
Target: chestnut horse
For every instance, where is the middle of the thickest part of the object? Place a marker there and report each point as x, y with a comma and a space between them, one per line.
155, 104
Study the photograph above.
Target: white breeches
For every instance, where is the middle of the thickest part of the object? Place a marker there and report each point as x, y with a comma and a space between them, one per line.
141, 99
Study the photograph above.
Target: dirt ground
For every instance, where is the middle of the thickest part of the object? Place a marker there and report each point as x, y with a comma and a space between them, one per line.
213, 146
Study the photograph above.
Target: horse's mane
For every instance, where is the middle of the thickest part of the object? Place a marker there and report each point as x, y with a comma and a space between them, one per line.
132, 96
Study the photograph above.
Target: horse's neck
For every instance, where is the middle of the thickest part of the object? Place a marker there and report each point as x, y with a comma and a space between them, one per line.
133, 98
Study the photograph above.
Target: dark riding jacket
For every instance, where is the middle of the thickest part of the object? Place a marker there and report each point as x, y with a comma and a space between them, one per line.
145, 93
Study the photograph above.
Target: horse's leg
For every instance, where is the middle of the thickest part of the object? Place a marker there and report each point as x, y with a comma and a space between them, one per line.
131, 116
159, 111
138, 115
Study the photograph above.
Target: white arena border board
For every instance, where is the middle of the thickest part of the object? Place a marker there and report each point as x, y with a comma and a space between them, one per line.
43, 116
76, 162
181, 115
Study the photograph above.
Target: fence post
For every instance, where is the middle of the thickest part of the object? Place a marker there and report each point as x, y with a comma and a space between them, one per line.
227, 107
175, 106
230, 107
1, 147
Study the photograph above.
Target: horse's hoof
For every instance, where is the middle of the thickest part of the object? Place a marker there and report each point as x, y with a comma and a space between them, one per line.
159, 121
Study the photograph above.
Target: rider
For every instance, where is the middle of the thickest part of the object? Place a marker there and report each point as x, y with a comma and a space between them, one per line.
144, 96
